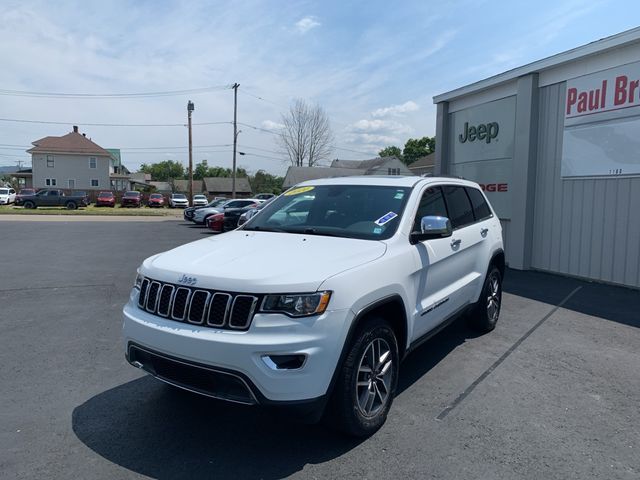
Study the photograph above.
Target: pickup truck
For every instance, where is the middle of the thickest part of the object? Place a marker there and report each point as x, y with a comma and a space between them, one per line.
54, 198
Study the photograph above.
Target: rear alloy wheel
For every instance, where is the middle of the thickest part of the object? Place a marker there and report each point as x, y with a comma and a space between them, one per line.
367, 381
29, 205
487, 311
71, 205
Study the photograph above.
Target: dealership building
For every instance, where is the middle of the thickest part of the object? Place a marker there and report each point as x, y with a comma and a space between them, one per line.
556, 146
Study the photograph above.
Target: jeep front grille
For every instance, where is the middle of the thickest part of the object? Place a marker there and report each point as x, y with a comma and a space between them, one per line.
197, 306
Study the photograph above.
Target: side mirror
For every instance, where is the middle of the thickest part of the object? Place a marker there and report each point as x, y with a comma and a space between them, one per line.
431, 227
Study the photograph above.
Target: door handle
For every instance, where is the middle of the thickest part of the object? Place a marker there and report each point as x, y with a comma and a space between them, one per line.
455, 243
483, 231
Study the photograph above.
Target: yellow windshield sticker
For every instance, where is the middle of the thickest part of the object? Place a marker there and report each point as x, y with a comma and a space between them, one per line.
298, 191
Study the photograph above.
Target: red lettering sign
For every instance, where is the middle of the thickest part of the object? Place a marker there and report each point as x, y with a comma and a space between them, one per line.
494, 187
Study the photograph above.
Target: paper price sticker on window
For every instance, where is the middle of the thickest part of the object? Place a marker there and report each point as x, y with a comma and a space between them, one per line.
386, 218
297, 191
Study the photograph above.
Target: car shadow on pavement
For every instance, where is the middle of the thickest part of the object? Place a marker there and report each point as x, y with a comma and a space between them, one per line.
164, 432
615, 303
429, 354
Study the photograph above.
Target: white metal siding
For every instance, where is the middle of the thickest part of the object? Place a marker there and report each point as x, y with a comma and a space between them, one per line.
584, 227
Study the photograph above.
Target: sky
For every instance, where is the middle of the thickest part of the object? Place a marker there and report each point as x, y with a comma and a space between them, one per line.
373, 66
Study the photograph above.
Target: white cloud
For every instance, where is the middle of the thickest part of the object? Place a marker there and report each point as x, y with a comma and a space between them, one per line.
379, 126
396, 110
271, 125
307, 23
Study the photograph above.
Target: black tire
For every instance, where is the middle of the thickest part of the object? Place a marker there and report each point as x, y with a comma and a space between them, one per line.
29, 204
486, 312
71, 205
349, 409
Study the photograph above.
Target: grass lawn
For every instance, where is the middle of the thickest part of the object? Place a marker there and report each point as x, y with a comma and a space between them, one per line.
93, 210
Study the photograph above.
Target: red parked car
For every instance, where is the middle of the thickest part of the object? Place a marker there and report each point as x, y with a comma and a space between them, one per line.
156, 200
106, 199
131, 199
215, 222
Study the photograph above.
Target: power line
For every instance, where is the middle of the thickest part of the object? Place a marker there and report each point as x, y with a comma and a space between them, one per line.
354, 151
111, 124
258, 128
265, 100
260, 149
193, 91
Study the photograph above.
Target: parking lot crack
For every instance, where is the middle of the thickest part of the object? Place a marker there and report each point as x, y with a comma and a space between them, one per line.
57, 287
460, 398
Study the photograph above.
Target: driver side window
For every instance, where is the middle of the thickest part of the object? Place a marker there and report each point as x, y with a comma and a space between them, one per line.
431, 204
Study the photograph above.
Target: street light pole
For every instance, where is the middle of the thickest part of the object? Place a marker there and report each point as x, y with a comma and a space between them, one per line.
235, 138
190, 108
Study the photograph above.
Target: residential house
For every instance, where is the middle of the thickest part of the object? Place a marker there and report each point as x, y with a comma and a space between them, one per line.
296, 175
20, 177
375, 166
182, 186
73, 161
346, 168
424, 165
221, 187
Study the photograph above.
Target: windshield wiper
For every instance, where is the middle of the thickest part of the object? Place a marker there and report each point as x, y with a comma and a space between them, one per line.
313, 231
263, 229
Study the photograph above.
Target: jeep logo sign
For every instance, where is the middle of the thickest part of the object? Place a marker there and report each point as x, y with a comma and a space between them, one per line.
484, 131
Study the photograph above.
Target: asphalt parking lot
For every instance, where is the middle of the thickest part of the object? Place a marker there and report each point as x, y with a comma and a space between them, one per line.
552, 393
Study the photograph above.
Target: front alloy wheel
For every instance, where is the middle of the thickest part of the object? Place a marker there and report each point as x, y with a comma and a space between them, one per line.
366, 380
374, 378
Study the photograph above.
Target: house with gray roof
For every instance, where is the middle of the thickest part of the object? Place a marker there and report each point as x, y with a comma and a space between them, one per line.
222, 187
424, 165
74, 161
347, 168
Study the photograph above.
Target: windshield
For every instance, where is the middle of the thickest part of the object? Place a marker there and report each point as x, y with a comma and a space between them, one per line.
179, 196
155, 195
105, 195
4, 191
132, 194
353, 211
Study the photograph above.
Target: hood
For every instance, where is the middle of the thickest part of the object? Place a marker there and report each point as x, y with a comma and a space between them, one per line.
262, 262
206, 210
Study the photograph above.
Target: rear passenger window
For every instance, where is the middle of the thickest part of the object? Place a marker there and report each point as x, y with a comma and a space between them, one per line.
458, 205
431, 203
481, 210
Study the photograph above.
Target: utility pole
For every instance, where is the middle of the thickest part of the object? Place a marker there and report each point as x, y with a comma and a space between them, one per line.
19, 162
235, 138
190, 108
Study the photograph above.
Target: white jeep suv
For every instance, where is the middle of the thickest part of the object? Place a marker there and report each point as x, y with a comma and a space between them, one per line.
313, 303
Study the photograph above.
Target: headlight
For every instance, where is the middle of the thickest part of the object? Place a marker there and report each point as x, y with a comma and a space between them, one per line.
139, 279
297, 305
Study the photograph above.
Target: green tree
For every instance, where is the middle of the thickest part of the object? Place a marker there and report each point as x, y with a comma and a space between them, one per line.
203, 170
263, 182
391, 151
415, 148
164, 171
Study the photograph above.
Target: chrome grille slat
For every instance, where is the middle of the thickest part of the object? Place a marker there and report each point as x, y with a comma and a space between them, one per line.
167, 290
198, 306
152, 297
241, 312
142, 297
176, 298
222, 319
193, 307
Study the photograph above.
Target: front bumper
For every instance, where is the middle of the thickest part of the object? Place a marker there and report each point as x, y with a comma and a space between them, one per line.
242, 353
